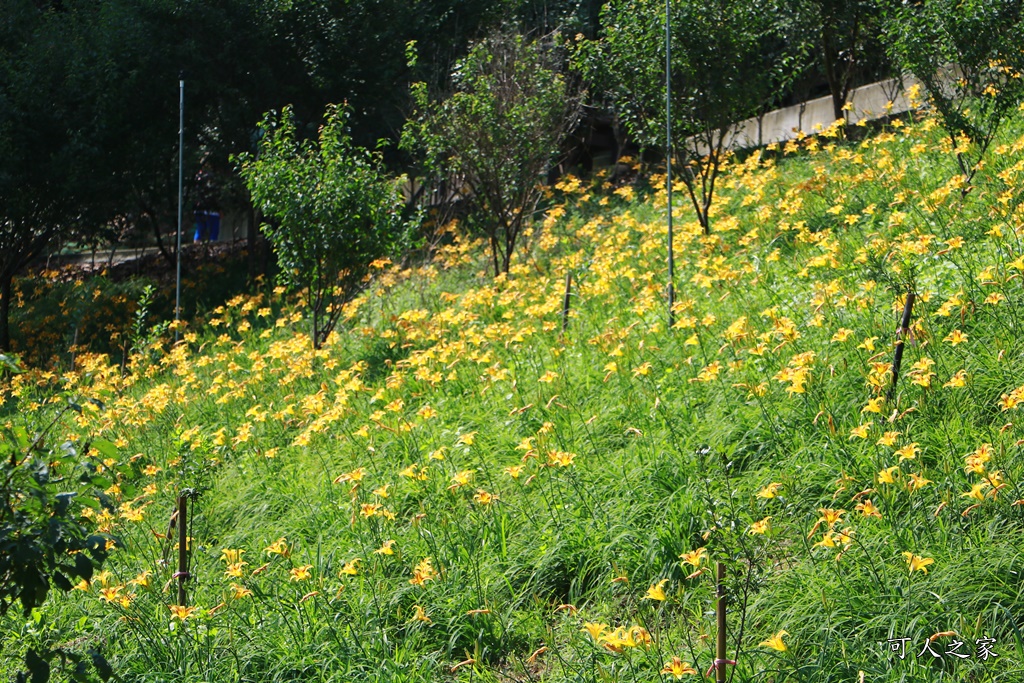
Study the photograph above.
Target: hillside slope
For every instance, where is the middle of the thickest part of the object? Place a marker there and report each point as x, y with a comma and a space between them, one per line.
454, 490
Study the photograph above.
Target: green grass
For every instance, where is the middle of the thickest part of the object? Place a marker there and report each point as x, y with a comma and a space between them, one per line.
624, 467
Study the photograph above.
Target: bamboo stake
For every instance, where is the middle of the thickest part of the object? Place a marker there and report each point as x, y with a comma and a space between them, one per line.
901, 334
182, 573
565, 301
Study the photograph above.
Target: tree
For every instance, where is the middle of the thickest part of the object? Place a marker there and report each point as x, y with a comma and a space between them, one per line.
729, 58
845, 37
45, 181
497, 133
969, 55
333, 210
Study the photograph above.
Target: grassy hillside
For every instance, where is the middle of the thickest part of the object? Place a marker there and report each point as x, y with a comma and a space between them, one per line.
455, 490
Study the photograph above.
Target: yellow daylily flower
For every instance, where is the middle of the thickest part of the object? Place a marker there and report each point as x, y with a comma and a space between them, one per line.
657, 591
760, 527
888, 475
917, 563
775, 642
694, 557
678, 668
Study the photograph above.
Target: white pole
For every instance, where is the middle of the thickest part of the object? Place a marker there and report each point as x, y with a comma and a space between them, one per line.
668, 158
181, 166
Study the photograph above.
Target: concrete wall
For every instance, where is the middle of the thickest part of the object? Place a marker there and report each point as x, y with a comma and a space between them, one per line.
868, 102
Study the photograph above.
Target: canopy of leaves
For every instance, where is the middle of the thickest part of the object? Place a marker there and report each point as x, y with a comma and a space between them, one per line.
728, 59
497, 133
841, 40
333, 209
969, 54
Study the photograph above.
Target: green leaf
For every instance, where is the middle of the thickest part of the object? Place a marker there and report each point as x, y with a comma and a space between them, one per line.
106, 448
11, 363
21, 436
37, 667
63, 502
83, 566
61, 582
102, 666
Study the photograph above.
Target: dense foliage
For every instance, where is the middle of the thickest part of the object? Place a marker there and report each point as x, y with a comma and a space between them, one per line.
333, 211
49, 497
460, 477
496, 136
970, 58
843, 39
89, 100
726, 66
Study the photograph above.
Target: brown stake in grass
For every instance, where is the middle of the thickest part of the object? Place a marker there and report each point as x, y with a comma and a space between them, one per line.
901, 334
565, 301
182, 573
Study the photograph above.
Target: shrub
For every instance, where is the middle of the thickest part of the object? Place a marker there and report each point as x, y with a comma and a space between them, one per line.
335, 211
46, 539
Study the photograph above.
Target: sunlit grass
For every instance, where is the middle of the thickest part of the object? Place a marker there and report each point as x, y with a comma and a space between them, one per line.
452, 489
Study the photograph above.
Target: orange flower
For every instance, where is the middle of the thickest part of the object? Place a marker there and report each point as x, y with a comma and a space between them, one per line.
868, 509
300, 573
423, 572
678, 668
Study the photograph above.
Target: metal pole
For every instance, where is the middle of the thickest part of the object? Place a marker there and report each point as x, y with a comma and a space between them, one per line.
668, 159
182, 548
181, 166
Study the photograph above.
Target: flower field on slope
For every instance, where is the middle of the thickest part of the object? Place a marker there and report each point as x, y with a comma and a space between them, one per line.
453, 489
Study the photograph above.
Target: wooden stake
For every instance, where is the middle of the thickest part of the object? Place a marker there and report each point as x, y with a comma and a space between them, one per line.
901, 334
720, 659
182, 549
565, 301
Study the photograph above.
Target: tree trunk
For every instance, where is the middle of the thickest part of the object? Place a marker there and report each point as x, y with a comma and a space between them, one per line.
829, 57
5, 311
494, 254
168, 256
511, 232
264, 248
251, 245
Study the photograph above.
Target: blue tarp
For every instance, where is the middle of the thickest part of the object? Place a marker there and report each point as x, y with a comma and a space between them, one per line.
207, 224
